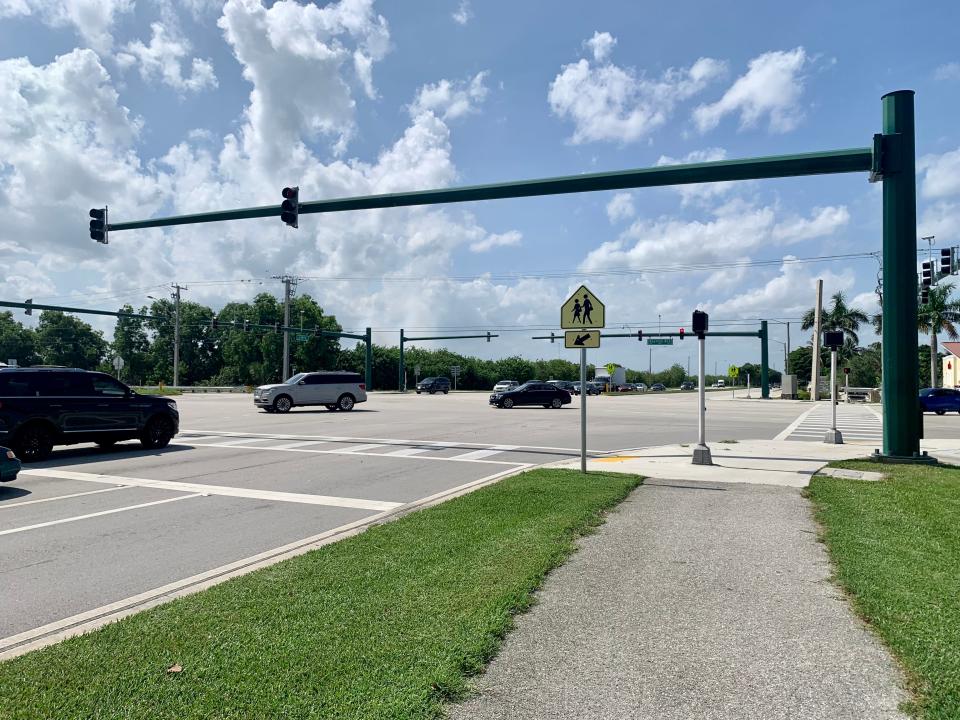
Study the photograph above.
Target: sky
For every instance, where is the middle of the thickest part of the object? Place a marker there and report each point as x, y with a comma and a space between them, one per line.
183, 106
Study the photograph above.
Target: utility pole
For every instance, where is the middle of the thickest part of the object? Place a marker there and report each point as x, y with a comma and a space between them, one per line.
786, 362
176, 334
289, 286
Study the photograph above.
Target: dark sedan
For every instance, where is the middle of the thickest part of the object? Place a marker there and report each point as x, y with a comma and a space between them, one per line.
939, 400
531, 393
9, 465
658, 387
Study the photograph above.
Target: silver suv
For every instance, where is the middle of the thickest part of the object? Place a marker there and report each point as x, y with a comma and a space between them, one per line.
334, 390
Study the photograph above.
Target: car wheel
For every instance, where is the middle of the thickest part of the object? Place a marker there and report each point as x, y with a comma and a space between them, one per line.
445, 392
157, 433
507, 403
940, 412
346, 403
555, 403
330, 407
282, 404
418, 392
33, 443
433, 392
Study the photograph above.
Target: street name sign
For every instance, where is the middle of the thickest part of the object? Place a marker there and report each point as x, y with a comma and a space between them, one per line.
659, 341
581, 339
583, 311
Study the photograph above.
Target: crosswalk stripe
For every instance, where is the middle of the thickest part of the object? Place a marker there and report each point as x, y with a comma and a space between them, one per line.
404, 452
477, 454
363, 448
295, 444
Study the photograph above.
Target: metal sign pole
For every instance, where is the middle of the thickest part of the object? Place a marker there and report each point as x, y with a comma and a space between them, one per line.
834, 437
701, 453
583, 410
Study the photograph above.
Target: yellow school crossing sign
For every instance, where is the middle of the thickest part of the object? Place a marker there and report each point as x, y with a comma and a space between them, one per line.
582, 311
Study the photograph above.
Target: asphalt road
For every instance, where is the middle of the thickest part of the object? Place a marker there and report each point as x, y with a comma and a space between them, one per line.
91, 533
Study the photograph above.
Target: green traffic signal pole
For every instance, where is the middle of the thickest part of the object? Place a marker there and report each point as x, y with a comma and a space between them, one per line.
402, 371
890, 159
761, 333
31, 306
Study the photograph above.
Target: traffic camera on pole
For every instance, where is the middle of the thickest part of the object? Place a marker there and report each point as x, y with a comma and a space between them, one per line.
98, 225
290, 207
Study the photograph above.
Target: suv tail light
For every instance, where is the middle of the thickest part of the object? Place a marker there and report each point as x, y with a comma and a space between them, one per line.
363, 386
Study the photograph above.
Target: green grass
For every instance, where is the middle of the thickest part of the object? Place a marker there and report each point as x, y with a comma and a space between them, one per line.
166, 392
896, 546
387, 624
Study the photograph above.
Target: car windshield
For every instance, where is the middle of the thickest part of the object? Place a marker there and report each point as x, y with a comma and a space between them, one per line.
296, 378
429, 379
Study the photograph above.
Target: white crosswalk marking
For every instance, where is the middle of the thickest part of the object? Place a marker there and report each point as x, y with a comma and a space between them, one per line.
477, 454
855, 422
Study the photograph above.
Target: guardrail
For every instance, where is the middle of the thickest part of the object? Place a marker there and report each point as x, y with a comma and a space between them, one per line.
200, 388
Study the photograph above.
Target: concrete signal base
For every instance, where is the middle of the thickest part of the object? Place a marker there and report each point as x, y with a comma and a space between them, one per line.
833, 437
701, 455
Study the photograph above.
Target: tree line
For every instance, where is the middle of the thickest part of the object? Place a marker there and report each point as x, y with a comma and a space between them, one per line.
228, 356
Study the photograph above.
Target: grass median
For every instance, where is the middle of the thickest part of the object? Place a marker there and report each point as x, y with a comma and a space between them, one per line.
387, 624
896, 546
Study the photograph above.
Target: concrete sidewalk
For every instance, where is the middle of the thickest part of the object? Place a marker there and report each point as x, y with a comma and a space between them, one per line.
699, 598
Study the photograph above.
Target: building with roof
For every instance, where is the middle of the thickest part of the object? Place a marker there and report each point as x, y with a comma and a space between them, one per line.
949, 371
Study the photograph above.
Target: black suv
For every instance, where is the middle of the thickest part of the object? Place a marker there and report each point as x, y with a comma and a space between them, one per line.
43, 407
434, 385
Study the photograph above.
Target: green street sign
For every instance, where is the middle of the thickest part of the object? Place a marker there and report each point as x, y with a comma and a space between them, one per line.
659, 341
302, 337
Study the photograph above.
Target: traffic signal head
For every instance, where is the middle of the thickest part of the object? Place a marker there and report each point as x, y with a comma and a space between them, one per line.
214, 323
681, 333
946, 261
246, 326
316, 330
488, 336
639, 335
924, 296
926, 274
28, 303
701, 322
290, 207
98, 225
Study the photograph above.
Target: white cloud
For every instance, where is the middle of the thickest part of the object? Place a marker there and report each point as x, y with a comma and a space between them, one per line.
601, 45
93, 20
506, 239
948, 71
162, 59
620, 207
698, 191
608, 102
463, 13
451, 100
824, 221
868, 302
771, 88
941, 174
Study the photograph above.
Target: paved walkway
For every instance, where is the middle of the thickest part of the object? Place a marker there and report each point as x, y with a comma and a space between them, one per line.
706, 599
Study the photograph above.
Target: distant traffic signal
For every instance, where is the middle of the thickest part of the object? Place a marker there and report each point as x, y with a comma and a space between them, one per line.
924, 296
639, 335
290, 207
246, 326
926, 273
98, 225
488, 336
317, 332
946, 261
29, 308
681, 333
214, 323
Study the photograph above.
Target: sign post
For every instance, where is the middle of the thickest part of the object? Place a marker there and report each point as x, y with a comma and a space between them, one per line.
701, 453
833, 339
846, 385
582, 315
455, 371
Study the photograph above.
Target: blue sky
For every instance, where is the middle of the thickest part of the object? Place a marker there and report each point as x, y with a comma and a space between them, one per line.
191, 105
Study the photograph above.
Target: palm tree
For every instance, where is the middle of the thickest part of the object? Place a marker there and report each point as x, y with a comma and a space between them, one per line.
840, 316
939, 314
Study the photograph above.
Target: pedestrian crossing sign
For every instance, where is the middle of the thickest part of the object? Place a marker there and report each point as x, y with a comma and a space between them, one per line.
582, 311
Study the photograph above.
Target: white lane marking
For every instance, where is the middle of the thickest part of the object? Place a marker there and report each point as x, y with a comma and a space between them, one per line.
304, 498
795, 424
406, 452
63, 497
477, 454
240, 441
382, 441
96, 514
294, 444
197, 438
363, 448
355, 451
90, 620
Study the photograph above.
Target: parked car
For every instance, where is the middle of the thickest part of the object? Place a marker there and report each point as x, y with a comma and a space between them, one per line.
531, 393
939, 400
505, 385
434, 385
43, 407
592, 389
567, 385
658, 387
641, 387
626, 387
335, 390
687, 385
9, 465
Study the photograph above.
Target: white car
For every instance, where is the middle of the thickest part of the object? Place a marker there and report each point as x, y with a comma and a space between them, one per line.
505, 385
335, 390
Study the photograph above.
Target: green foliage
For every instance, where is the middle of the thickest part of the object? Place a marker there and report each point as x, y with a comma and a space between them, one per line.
17, 342
131, 342
66, 340
839, 316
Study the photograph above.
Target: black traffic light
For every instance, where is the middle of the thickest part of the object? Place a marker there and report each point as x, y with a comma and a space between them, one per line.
214, 323
290, 207
833, 339
926, 273
98, 225
316, 331
28, 303
701, 322
246, 326
946, 261
681, 333
488, 336
924, 296
639, 335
